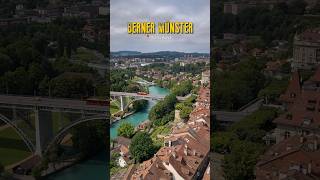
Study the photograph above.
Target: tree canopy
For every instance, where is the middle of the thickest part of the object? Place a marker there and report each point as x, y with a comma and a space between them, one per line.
126, 129
163, 111
141, 147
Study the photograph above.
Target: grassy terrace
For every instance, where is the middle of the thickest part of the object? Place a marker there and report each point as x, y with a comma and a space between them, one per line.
161, 131
12, 148
86, 56
114, 107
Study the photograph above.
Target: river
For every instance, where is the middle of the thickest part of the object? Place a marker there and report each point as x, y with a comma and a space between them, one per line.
96, 167
138, 117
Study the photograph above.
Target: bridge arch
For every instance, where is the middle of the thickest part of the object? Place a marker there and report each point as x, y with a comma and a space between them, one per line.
61, 133
23, 136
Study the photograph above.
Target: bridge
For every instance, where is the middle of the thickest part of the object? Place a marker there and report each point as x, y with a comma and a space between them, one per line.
146, 83
140, 96
226, 118
42, 109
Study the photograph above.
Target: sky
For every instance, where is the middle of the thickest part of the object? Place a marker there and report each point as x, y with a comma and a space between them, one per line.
124, 11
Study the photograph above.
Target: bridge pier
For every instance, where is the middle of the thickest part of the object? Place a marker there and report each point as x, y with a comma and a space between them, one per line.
122, 103
14, 115
44, 131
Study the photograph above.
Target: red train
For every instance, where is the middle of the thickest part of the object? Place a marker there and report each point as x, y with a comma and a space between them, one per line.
142, 93
97, 102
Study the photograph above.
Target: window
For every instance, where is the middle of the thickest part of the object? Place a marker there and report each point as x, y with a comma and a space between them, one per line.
312, 101
286, 134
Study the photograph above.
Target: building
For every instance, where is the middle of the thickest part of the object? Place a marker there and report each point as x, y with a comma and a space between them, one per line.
236, 7
206, 175
122, 147
297, 157
185, 154
205, 77
233, 8
13, 21
273, 69
302, 101
306, 49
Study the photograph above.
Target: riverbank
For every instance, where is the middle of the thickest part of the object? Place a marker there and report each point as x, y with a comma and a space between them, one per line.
124, 116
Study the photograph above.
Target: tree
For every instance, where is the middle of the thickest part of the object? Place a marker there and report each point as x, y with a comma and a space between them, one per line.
5, 63
16, 82
163, 108
297, 7
183, 88
71, 85
164, 120
1, 169
36, 74
89, 138
140, 104
185, 112
134, 87
239, 164
126, 129
141, 147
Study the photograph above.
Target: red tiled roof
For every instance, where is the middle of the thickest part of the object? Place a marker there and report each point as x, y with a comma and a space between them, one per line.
293, 89
316, 76
296, 156
312, 35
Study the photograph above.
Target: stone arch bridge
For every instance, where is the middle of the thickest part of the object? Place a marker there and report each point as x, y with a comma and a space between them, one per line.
32, 118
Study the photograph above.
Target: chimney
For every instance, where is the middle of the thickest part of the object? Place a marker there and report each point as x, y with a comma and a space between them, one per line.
309, 167
174, 155
170, 143
185, 150
194, 152
301, 139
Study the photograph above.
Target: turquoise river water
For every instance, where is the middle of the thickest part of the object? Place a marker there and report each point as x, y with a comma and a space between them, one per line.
96, 167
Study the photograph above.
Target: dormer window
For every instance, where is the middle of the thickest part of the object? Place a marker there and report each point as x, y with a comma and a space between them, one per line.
307, 121
311, 107
292, 95
289, 116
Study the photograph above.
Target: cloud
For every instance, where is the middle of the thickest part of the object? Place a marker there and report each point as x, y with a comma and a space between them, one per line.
124, 11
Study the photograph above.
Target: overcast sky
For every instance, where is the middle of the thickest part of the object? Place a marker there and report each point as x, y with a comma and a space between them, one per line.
196, 11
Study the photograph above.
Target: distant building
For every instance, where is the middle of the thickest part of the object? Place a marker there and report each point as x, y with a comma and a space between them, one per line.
273, 69
236, 7
13, 21
306, 49
205, 77
103, 11
232, 8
